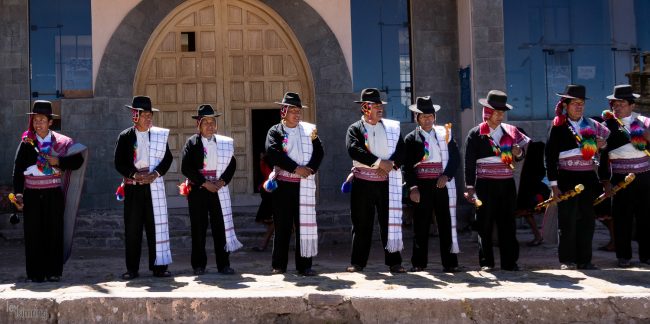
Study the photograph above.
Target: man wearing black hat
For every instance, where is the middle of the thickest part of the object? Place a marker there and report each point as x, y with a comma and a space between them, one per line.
491, 149
142, 157
209, 163
376, 147
571, 154
430, 164
627, 152
295, 151
43, 168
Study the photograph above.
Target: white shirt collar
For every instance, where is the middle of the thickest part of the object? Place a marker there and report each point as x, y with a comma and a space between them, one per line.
48, 137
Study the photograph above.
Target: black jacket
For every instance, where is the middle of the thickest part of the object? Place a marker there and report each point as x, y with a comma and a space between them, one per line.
277, 157
192, 162
560, 139
26, 156
356, 145
124, 149
414, 152
478, 146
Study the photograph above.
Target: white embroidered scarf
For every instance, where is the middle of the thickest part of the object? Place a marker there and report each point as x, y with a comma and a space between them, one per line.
395, 243
157, 148
225, 151
308, 226
443, 135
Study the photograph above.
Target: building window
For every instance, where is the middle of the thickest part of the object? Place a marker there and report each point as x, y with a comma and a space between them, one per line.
60, 47
381, 52
187, 42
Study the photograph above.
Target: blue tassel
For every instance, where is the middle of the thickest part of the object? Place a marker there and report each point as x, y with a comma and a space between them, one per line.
270, 185
346, 187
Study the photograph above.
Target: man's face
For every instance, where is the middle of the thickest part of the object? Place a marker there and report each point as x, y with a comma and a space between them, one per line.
208, 126
575, 109
145, 121
375, 111
496, 118
41, 124
426, 121
292, 118
622, 108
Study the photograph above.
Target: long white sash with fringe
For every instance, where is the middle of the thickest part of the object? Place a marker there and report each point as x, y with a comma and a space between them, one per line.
443, 135
225, 151
395, 243
157, 148
308, 226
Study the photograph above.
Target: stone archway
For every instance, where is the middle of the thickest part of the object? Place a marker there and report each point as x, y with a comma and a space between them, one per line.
236, 55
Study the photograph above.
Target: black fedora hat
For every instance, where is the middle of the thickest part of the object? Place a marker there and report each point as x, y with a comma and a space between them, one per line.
205, 110
370, 95
291, 99
42, 107
496, 99
623, 92
574, 91
423, 105
141, 103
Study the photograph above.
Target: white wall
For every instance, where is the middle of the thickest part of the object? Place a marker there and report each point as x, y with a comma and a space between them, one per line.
107, 15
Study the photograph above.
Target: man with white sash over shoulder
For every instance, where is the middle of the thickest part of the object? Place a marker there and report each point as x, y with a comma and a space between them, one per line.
295, 152
142, 157
209, 164
430, 164
376, 147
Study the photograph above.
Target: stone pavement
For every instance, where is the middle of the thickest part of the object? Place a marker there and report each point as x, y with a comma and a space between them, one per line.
91, 290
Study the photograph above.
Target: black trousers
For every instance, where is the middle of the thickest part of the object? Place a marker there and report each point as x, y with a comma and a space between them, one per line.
499, 199
205, 206
366, 196
576, 217
138, 214
631, 204
43, 226
432, 198
286, 217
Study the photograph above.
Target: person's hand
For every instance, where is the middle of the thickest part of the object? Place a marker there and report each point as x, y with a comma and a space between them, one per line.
469, 195
555, 193
52, 160
386, 166
442, 181
19, 202
219, 184
607, 188
211, 187
414, 195
302, 171
516, 150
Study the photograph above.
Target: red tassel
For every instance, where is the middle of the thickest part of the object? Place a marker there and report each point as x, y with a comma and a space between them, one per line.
119, 193
184, 188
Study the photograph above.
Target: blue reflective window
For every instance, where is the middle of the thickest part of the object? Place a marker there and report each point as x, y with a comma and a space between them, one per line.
60, 42
552, 43
381, 56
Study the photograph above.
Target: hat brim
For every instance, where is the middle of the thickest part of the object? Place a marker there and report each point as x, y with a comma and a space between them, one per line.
563, 95
381, 102
215, 115
484, 102
286, 104
634, 96
140, 109
51, 115
414, 108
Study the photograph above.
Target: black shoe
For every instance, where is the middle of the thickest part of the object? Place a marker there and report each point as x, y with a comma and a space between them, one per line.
277, 271
227, 271
487, 268
308, 272
36, 279
452, 269
258, 249
587, 266
416, 269
354, 268
162, 273
199, 271
130, 275
568, 266
624, 263
513, 268
53, 278
397, 269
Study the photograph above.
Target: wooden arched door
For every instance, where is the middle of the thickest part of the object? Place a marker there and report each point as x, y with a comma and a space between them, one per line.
237, 55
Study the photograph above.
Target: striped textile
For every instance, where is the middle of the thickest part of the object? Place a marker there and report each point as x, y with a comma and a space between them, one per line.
395, 243
429, 170
225, 151
43, 182
444, 136
308, 226
157, 148
625, 166
575, 163
497, 170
